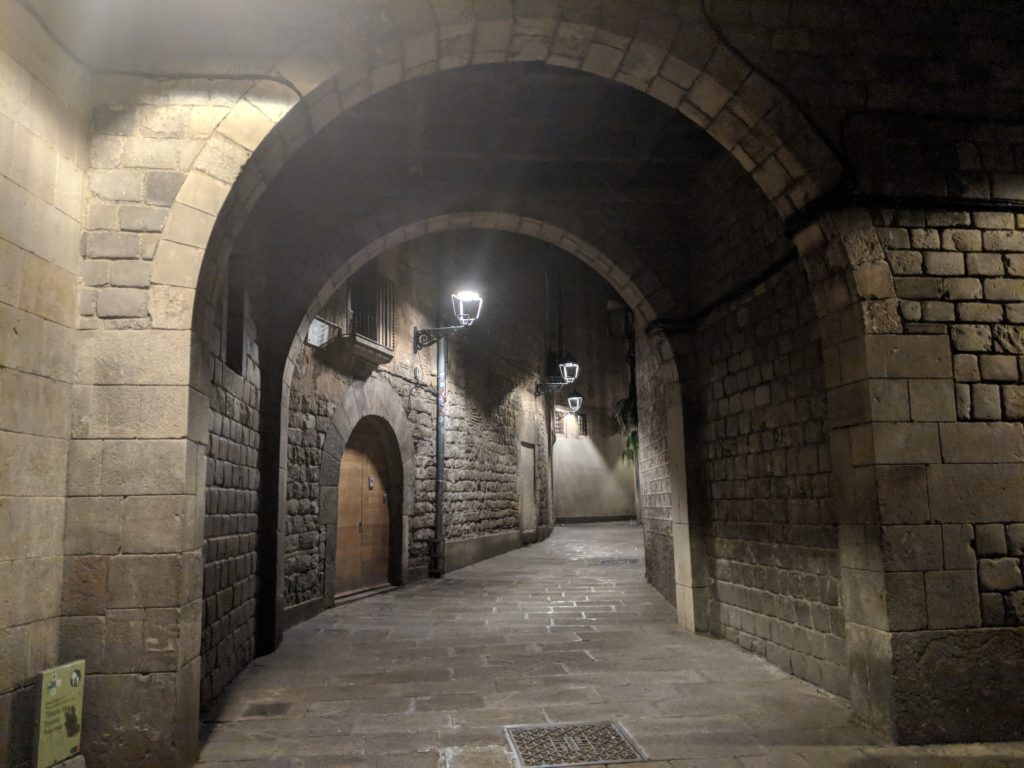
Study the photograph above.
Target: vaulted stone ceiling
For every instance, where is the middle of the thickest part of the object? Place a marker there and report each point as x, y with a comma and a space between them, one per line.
611, 163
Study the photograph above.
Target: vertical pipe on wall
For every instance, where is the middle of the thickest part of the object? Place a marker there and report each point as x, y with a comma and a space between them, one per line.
436, 567
437, 556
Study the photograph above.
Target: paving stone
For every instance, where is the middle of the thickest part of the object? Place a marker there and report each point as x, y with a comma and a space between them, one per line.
426, 675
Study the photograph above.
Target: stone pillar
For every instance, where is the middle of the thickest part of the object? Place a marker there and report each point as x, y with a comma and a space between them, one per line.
917, 487
133, 582
657, 391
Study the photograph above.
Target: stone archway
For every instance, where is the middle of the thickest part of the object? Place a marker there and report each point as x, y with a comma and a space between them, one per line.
689, 585
657, 53
674, 58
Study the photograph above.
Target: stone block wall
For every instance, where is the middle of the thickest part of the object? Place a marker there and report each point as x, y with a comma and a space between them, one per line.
943, 121
490, 405
759, 443
740, 236
305, 533
230, 525
939, 421
316, 392
43, 161
961, 275
148, 138
655, 466
959, 278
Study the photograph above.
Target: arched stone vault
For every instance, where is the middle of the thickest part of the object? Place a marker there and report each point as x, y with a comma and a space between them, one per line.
659, 53
662, 58
129, 468
651, 50
690, 607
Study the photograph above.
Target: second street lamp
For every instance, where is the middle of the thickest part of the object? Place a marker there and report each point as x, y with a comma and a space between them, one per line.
569, 369
575, 401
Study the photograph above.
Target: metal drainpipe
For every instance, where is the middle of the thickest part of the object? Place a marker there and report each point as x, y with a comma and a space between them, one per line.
437, 557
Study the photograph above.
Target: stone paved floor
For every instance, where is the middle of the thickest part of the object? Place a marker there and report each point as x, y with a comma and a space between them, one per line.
563, 631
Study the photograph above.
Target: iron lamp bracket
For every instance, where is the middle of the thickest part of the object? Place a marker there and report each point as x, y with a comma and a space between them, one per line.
427, 337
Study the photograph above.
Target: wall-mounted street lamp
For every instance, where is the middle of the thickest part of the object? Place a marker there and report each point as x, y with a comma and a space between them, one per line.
466, 306
575, 401
568, 372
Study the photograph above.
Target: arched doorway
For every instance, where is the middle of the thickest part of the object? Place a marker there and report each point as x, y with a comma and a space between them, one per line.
368, 540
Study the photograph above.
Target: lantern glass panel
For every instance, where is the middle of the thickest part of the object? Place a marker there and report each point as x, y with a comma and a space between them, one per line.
467, 305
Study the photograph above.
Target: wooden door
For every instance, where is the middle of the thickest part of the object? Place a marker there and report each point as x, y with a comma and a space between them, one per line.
527, 489
362, 549
374, 552
348, 550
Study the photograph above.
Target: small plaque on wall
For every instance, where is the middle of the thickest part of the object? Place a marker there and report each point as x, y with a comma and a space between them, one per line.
319, 332
61, 696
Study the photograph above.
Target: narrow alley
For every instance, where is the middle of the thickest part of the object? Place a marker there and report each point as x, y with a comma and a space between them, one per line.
565, 631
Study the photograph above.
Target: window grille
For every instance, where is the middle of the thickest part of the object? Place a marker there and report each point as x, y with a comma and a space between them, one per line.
371, 309
559, 423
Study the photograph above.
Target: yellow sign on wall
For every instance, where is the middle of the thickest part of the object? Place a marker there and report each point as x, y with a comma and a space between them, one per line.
61, 695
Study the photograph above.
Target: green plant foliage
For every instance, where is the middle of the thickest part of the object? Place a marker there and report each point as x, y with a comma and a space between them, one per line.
626, 422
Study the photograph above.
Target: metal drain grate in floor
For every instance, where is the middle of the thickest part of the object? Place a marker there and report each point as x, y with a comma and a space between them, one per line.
266, 709
567, 744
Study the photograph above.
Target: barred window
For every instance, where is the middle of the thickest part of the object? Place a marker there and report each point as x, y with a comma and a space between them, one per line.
559, 422
371, 309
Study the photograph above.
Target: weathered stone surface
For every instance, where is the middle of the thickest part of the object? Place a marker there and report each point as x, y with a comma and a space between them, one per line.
162, 187
981, 443
43, 150
912, 547
1000, 575
231, 506
908, 357
111, 742
990, 539
130, 274
935, 673
991, 326
85, 585
1015, 535
976, 493
137, 218
905, 600
133, 357
952, 598
136, 581
993, 609
902, 494
145, 467
764, 448
958, 546
121, 302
